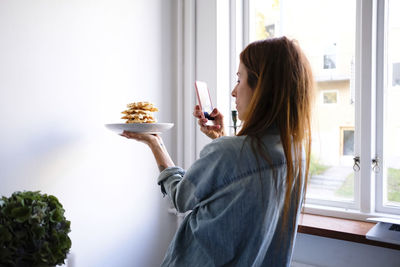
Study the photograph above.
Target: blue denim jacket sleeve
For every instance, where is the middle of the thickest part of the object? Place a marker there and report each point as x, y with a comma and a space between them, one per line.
178, 189
187, 188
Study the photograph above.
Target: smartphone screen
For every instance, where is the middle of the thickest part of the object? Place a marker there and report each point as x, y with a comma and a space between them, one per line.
203, 96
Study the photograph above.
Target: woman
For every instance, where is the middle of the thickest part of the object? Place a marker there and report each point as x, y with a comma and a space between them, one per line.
245, 191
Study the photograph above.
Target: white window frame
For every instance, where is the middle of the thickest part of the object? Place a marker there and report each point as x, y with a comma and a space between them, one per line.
186, 46
381, 84
205, 32
369, 62
370, 82
365, 79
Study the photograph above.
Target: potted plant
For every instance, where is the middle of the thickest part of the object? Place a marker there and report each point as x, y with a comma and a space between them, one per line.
33, 230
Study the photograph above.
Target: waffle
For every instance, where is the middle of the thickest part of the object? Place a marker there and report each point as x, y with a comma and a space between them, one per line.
139, 112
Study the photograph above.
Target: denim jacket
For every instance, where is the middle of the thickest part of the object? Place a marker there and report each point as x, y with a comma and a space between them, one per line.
236, 206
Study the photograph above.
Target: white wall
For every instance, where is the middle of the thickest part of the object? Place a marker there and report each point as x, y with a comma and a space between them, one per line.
66, 68
319, 251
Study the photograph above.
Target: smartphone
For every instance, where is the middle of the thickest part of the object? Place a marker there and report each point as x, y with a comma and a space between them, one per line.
204, 99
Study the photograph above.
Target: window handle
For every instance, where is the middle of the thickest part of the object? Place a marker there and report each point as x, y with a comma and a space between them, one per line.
234, 119
376, 164
356, 166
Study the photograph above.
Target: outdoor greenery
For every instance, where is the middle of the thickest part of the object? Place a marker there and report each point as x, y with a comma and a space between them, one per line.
33, 230
316, 168
393, 178
347, 188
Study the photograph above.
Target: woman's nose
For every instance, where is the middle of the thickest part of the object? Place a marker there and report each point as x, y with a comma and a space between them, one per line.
234, 92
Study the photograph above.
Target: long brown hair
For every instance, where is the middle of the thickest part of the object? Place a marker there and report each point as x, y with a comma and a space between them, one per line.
281, 77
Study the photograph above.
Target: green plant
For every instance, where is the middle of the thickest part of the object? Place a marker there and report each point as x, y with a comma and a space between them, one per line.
346, 190
33, 230
393, 178
316, 168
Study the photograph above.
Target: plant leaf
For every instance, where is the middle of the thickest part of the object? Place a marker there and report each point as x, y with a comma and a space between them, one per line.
21, 214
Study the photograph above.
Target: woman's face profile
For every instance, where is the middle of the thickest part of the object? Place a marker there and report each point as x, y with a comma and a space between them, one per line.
242, 92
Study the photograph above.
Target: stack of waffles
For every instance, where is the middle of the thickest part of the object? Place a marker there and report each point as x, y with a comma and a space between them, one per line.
140, 112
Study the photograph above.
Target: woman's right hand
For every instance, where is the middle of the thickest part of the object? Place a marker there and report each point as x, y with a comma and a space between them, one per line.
149, 139
213, 131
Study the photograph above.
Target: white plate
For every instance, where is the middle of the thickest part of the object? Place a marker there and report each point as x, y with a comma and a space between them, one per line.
151, 128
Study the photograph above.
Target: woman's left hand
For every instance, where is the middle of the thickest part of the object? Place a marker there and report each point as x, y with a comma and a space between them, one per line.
213, 131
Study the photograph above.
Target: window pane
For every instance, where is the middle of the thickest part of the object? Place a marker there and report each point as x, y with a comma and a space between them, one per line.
326, 32
329, 97
348, 142
392, 109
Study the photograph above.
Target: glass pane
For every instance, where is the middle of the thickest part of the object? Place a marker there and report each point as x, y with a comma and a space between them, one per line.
348, 142
392, 109
330, 97
326, 32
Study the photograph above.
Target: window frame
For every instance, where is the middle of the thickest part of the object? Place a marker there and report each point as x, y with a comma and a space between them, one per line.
369, 84
369, 79
382, 83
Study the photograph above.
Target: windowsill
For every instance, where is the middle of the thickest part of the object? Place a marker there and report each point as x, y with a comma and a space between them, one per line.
337, 228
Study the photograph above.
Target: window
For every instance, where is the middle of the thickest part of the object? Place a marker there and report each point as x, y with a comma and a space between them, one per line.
356, 123
330, 57
347, 142
329, 97
352, 46
329, 62
396, 74
332, 66
388, 134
